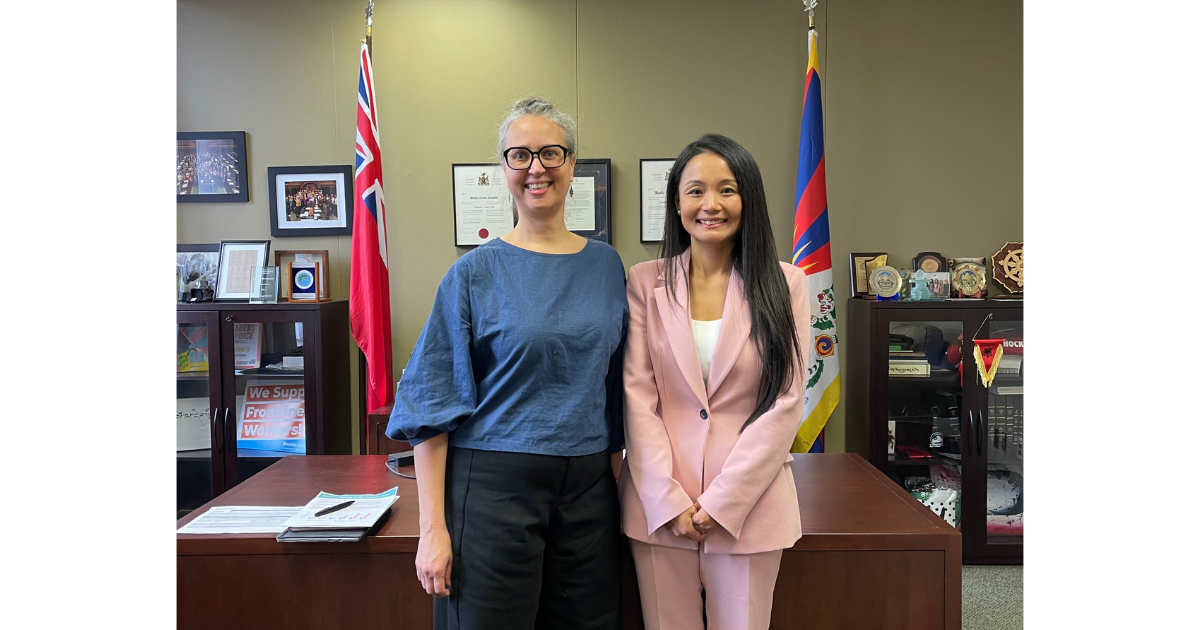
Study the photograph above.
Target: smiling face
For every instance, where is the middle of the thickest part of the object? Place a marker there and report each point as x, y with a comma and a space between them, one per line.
710, 204
539, 191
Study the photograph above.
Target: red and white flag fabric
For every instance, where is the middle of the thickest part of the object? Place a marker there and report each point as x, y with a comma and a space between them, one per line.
370, 299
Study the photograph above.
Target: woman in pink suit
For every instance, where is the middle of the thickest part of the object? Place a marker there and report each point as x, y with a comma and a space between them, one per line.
714, 393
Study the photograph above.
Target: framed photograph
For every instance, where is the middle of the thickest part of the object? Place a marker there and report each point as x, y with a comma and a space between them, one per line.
654, 174
311, 200
197, 262
587, 211
859, 286
482, 206
284, 257
210, 166
939, 285
235, 271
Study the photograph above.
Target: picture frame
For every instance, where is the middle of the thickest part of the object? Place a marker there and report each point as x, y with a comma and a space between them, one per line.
284, 257
311, 200
593, 181
858, 272
235, 272
202, 260
652, 181
483, 207
210, 166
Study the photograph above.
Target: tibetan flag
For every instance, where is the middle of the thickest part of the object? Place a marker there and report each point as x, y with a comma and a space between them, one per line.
370, 301
810, 252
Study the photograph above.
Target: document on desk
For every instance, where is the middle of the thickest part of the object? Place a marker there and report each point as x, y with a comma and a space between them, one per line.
241, 519
362, 512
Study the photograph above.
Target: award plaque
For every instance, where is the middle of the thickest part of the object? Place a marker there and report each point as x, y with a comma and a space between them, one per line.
859, 274
968, 280
1008, 267
929, 262
885, 283
302, 281
266, 288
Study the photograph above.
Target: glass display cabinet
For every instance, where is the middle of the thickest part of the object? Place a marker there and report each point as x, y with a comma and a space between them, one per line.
917, 410
257, 382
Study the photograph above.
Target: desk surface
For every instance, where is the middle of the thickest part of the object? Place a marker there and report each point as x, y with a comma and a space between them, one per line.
845, 503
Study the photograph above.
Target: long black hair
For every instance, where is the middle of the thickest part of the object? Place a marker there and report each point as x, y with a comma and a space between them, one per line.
754, 259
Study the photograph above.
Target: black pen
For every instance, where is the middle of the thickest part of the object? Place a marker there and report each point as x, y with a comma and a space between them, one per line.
332, 509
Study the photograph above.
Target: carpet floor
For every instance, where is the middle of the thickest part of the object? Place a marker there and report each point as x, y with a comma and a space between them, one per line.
992, 597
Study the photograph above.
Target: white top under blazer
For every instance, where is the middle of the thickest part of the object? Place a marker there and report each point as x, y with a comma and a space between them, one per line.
705, 334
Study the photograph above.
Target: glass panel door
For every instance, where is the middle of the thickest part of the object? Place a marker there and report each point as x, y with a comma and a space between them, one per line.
924, 403
1005, 437
197, 399
267, 365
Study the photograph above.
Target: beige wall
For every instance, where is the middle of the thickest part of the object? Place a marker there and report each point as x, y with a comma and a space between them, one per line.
922, 107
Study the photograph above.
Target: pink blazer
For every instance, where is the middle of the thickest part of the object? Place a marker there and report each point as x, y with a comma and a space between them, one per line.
681, 438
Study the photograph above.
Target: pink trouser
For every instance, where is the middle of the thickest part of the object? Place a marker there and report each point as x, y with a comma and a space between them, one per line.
738, 588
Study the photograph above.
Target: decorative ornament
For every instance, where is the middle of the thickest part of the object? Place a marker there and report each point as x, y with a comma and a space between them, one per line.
968, 280
920, 290
885, 283
987, 358
1008, 267
987, 354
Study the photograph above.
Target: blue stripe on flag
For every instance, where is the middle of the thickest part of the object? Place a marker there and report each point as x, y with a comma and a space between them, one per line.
812, 136
816, 236
358, 161
362, 88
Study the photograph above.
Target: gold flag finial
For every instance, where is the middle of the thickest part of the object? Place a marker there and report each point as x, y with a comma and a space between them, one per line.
810, 6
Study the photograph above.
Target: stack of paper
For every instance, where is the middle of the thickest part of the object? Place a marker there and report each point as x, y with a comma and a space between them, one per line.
348, 524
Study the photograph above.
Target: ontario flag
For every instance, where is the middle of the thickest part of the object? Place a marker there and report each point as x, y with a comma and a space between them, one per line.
370, 301
810, 252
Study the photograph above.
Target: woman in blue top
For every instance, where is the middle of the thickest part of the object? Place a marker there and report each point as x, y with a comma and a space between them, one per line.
512, 401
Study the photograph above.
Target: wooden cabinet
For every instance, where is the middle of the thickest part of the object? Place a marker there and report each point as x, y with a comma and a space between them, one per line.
226, 349
917, 410
378, 443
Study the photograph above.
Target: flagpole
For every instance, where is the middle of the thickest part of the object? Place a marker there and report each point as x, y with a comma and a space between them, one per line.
810, 6
370, 14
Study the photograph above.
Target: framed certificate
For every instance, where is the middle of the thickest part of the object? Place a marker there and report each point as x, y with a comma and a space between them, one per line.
654, 197
482, 210
235, 272
587, 210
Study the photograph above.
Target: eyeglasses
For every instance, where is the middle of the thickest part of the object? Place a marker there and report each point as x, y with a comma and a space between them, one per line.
521, 158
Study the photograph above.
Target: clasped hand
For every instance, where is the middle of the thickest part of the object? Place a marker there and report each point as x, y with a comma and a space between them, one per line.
694, 522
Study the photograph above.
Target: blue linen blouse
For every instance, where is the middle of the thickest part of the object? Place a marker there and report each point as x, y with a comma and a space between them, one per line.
523, 352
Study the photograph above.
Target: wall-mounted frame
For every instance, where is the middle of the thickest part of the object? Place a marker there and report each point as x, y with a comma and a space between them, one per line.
858, 273
284, 257
588, 212
482, 206
198, 261
311, 200
210, 166
235, 273
653, 180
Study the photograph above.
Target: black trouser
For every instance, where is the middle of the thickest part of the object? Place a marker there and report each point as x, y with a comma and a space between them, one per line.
536, 542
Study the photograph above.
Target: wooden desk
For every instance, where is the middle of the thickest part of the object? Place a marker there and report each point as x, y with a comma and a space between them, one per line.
871, 557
